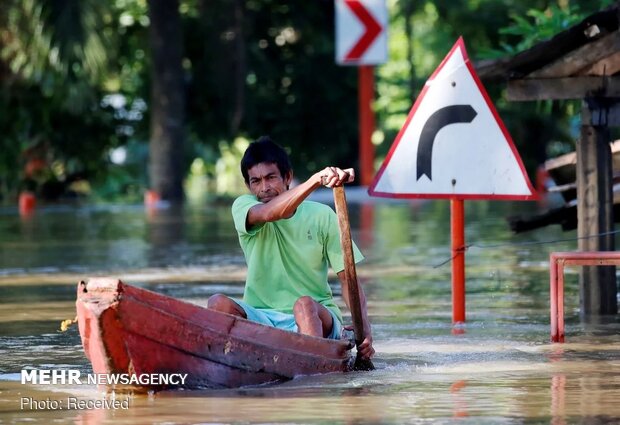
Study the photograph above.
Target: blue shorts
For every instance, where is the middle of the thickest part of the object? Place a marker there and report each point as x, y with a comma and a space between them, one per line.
285, 321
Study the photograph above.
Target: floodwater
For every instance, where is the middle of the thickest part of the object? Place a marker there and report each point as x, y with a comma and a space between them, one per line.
498, 368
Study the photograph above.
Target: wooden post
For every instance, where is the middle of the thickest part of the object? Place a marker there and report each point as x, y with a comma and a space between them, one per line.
597, 285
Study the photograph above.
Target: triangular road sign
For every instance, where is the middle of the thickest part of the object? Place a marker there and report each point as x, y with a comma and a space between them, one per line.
453, 144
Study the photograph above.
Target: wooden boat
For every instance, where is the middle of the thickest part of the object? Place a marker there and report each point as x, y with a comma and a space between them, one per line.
562, 171
129, 330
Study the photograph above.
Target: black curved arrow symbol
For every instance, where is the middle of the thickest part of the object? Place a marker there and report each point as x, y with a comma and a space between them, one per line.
453, 114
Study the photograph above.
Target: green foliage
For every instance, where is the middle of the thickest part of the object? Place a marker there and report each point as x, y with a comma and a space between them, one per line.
541, 24
544, 25
272, 73
52, 43
227, 172
56, 59
75, 82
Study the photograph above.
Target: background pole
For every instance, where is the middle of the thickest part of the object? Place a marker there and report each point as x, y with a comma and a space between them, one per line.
366, 95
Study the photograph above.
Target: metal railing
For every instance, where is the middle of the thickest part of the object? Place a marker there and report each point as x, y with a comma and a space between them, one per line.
557, 261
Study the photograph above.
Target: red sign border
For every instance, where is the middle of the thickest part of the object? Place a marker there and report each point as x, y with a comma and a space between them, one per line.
371, 189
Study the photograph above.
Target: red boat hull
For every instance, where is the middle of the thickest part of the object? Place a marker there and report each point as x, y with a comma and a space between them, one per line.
129, 330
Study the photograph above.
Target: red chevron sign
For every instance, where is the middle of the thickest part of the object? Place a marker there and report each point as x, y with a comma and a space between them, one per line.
361, 37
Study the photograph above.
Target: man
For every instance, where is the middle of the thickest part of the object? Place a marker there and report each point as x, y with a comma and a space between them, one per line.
288, 243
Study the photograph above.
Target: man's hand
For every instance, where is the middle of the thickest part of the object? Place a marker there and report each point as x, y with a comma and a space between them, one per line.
365, 349
334, 176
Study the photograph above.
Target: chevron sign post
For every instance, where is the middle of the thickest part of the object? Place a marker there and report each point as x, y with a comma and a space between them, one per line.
361, 40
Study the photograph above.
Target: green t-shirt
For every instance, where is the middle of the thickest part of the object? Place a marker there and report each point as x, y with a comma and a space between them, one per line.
288, 258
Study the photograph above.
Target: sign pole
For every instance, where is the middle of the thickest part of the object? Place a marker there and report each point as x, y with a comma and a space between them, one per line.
366, 94
457, 221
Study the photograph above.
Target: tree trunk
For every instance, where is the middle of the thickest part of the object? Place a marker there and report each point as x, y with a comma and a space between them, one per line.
167, 100
240, 70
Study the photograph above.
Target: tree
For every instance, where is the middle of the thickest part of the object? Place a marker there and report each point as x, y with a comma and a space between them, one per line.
53, 58
167, 100
75, 76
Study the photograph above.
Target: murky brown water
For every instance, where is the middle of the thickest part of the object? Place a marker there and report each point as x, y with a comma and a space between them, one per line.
501, 369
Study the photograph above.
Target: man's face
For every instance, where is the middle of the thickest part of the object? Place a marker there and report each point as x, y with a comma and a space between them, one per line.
266, 182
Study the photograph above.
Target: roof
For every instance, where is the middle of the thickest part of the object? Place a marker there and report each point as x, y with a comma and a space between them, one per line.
590, 48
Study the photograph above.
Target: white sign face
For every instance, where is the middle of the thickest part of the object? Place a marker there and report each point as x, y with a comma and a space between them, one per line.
453, 144
361, 32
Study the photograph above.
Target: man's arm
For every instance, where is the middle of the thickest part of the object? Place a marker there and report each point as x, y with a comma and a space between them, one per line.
365, 348
285, 204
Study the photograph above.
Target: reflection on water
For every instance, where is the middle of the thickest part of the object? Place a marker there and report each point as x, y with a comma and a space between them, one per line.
500, 369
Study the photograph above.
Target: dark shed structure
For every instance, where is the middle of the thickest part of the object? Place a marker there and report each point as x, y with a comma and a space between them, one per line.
582, 62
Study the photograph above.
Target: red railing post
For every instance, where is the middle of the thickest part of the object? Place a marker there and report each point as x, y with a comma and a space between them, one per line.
553, 296
560, 302
557, 261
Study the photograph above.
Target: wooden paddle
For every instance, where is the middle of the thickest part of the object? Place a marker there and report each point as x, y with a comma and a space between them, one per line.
350, 275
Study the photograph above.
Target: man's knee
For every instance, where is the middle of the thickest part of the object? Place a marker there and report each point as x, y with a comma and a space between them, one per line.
307, 311
220, 302
304, 307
